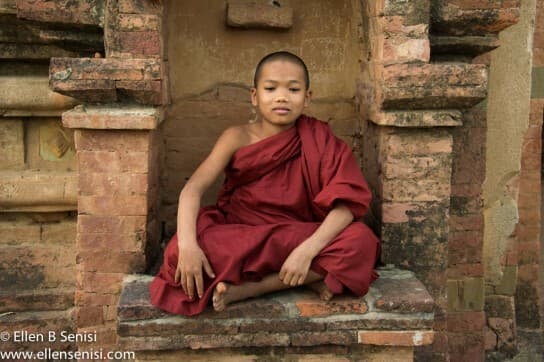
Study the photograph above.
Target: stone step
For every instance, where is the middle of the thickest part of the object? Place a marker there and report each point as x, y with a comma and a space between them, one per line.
463, 45
397, 311
433, 86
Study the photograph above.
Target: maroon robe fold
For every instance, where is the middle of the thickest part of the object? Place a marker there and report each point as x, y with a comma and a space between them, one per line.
276, 193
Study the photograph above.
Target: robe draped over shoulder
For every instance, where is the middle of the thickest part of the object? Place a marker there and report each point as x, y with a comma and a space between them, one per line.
276, 193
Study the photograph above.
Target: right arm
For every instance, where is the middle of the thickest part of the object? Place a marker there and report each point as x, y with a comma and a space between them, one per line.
191, 258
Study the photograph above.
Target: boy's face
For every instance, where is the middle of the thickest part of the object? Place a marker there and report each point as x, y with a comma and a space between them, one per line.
281, 94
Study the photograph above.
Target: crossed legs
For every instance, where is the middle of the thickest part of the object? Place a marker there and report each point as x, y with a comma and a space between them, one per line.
226, 293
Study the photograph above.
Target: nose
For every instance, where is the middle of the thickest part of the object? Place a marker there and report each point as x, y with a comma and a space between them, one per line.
281, 98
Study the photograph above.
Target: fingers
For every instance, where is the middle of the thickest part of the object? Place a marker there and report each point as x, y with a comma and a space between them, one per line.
184, 282
199, 285
191, 285
208, 268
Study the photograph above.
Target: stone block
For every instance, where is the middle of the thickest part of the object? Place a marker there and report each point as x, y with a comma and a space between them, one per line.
139, 7
431, 86
143, 92
463, 322
36, 299
107, 117
139, 44
324, 337
402, 296
458, 17
133, 242
506, 333
63, 69
61, 233
507, 284
86, 12
465, 294
12, 144
259, 14
30, 96
34, 266
138, 22
465, 45
314, 307
38, 191
37, 322
393, 338
499, 306
129, 205
419, 119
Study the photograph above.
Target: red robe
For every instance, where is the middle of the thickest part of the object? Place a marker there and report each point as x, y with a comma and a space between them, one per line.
276, 193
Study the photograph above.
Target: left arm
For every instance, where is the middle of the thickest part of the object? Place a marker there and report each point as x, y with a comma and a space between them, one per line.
296, 266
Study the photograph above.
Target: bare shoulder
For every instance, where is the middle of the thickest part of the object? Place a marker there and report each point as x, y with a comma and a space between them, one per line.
234, 137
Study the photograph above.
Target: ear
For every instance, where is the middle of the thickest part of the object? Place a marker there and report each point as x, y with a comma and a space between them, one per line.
253, 93
308, 98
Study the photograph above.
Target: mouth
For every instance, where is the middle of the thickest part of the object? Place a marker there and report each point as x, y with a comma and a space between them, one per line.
280, 110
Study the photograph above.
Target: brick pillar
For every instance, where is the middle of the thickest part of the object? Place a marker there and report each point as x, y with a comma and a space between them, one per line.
117, 194
410, 109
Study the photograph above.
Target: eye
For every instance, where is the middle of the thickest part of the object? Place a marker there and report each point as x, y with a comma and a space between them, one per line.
269, 88
294, 89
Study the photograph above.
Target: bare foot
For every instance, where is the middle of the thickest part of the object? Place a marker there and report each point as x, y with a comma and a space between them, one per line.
220, 297
321, 289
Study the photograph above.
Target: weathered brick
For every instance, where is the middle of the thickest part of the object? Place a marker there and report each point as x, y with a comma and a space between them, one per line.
151, 92
466, 346
89, 316
126, 205
108, 69
420, 144
139, 7
391, 338
89, 12
99, 282
466, 322
314, 307
15, 233
325, 337
465, 247
499, 306
415, 190
139, 43
100, 140
402, 296
251, 14
12, 144
103, 184
465, 294
111, 261
63, 232
113, 225
528, 252
90, 299
122, 118
133, 242
425, 86
505, 331
138, 22
459, 271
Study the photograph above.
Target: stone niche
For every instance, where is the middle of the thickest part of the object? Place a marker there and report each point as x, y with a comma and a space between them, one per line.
207, 98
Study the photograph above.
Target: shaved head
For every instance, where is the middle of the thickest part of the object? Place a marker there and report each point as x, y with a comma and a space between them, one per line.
283, 56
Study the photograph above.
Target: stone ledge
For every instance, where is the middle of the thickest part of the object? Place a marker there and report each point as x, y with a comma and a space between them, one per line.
113, 117
419, 119
397, 308
38, 191
251, 14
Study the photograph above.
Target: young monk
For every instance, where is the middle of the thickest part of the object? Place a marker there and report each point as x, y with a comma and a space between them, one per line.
285, 214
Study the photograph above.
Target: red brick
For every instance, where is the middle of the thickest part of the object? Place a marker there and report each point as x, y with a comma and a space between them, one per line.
94, 299
101, 283
528, 233
103, 184
490, 339
466, 347
466, 322
106, 336
111, 261
139, 43
465, 247
134, 242
113, 206
396, 338
468, 222
100, 140
76, 12
466, 189
314, 307
529, 252
323, 337
114, 225
98, 161
529, 215
89, 316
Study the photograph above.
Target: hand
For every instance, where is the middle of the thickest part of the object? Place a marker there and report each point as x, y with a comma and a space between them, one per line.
191, 260
295, 268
